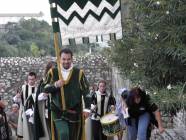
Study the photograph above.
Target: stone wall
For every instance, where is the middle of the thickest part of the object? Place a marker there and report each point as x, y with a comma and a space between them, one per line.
14, 70
176, 132
179, 123
96, 68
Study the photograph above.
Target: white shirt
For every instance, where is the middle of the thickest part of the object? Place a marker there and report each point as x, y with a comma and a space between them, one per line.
65, 72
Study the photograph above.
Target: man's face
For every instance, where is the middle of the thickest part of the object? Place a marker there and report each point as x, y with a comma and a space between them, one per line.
66, 60
31, 80
15, 108
102, 87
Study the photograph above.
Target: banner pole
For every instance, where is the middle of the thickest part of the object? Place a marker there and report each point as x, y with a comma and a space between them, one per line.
57, 50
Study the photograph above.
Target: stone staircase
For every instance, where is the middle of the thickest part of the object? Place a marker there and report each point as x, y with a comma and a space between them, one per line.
169, 134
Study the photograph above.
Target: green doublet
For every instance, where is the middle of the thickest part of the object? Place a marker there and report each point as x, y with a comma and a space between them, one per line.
75, 87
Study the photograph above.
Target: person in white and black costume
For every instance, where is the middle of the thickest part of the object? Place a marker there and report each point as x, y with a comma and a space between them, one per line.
101, 104
26, 100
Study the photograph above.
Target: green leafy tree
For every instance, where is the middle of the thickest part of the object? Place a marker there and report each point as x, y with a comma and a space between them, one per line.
21, 35
7, 50
35, 50
153, 50
164, 31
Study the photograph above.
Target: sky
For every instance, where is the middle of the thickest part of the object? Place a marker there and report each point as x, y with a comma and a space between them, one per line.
25, 6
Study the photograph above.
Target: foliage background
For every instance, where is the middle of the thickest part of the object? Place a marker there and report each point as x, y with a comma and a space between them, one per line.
152, 53
33, 38
26, 38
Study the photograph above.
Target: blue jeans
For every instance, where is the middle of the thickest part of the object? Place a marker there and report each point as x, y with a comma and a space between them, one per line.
138, 128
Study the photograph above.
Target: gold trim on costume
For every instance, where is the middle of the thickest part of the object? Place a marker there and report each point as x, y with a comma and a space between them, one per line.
80, 76
68, 78
52, 75
46, 78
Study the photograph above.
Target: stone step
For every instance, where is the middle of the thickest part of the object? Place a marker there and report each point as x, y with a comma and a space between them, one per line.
169, 134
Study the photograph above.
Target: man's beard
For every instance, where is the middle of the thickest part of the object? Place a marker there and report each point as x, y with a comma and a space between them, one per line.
66, 66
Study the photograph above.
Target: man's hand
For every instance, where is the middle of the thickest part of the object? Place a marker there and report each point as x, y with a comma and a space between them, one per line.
18, 95
112, 108
59, 83
13, 124
93, 107
43, 96
86, 114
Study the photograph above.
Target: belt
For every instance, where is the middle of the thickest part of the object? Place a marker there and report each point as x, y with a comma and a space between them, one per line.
72, 111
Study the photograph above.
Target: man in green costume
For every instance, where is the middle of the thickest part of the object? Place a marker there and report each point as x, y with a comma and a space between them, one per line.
67, 124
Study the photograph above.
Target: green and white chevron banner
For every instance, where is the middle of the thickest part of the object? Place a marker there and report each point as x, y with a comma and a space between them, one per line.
81, 19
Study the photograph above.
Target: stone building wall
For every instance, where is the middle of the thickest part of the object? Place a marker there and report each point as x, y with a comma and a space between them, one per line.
14, 70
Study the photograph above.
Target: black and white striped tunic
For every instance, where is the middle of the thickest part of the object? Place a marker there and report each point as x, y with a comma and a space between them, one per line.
102, 103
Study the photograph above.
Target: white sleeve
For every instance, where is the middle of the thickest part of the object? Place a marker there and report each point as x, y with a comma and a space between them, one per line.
16, 99
41, 97
29, 112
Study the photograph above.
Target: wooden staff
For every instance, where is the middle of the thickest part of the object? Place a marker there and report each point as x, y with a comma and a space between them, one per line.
57, 50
